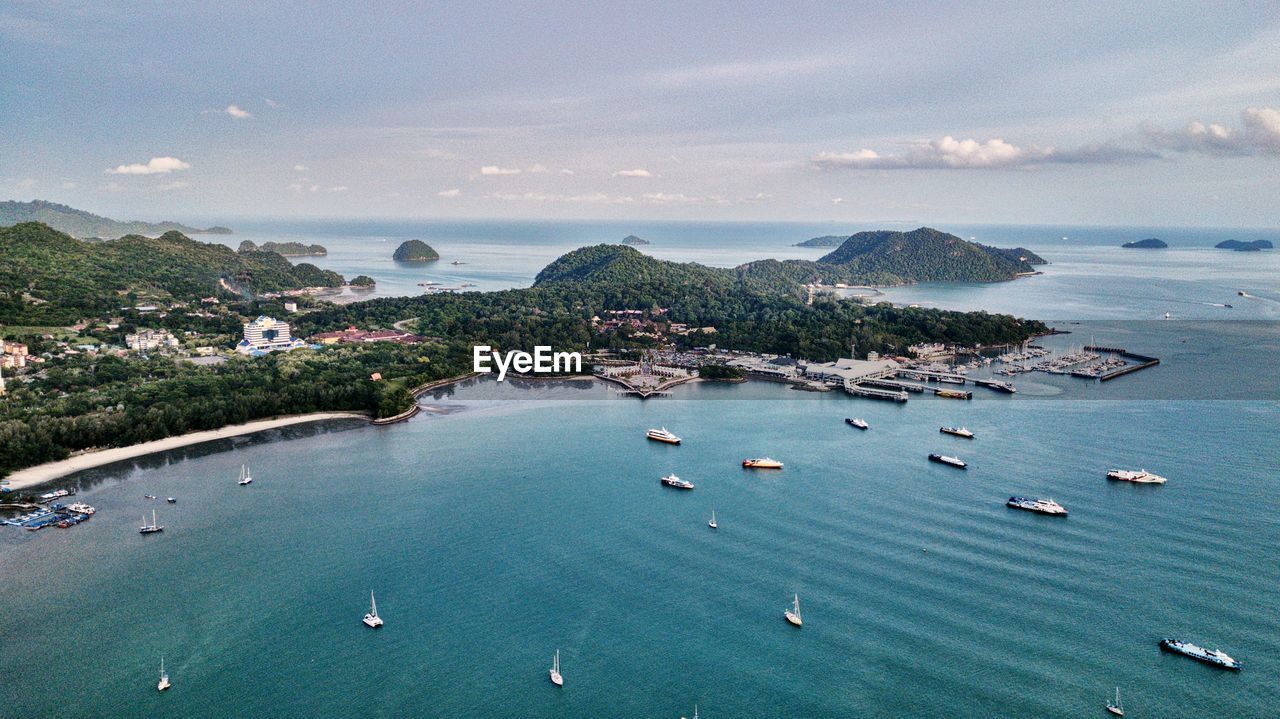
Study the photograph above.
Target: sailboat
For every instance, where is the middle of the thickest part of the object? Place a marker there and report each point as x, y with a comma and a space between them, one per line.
712, 523
164, 676
149, 528
555, 671
1115, 707
793, 614
695, 712
372, 620
245, 477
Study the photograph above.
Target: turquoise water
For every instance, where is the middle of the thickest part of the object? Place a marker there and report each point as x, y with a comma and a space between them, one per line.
497, 530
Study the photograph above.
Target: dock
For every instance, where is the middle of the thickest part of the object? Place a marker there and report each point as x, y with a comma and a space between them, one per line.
895, 384
873, 393
1140, 361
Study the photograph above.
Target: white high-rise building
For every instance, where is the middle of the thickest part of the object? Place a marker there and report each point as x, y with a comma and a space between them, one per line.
267, 334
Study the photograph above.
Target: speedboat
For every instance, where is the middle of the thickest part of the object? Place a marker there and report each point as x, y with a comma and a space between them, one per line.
858, 422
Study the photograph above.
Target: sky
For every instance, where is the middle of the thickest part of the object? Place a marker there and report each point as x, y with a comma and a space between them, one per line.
984, 112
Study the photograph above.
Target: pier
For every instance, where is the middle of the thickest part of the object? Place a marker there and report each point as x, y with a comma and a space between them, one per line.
873, 393
1140, 361
895, 384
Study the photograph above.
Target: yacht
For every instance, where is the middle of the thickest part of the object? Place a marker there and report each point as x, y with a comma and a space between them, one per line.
1141, 476
1208, 656
1115, 707
858, 422
952, 461
957, 431
712, 523
164, 677
673, 481
762, 463
556, 678
1040, 506
245, 477
662, 435
372, 620
150, 528
793, 614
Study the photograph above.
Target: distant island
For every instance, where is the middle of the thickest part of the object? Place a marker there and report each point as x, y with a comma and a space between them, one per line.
824, 241
635, 241
362, 281
288, 249
415, 251
1150, 243
1240, 246
85, 225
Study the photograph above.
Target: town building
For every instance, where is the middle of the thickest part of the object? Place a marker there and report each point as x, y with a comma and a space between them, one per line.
267, 334
354, 335
148, 339
845, 370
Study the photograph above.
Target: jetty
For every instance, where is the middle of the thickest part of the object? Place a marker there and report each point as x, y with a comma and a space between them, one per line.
1139, 361
644, 379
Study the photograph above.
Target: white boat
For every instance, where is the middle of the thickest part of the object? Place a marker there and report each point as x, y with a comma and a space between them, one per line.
1141, 476
372, 620
245, 477
762, 463
164, 677
695, 712
858, 422
662, 435
555, 671
671, 480
1115, 707
957, 431
712, 523
793, 614
150, 528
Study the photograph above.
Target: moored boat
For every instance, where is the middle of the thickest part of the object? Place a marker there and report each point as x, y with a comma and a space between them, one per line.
951, 461
1208, 656
762, 463
1040, 506
150, 528
372, 620
858, 422
245, 477
793, 614
673, 481
957, 431
1141, 476
662, 435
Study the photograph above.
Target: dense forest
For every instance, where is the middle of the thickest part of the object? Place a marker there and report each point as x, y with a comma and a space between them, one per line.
287, 249
50, 278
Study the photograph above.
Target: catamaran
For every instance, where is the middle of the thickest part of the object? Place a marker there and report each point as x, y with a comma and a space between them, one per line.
793, 614
164, 676
372, 620
1115, 706
245, 477
149, 528
555, 671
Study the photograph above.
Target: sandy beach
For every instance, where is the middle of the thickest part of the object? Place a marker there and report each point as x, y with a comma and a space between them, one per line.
41, 473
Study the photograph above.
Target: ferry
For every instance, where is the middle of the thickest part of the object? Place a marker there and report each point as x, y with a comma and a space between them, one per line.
1040, 506
1141, 476
1208, 656
762, 463
662, 435
944, 459
673, 481
957, 431
858, 422
999, 386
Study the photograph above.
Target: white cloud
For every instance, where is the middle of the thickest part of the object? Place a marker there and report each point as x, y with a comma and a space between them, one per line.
758, 197
338, 188
270, 102
633, 173
950, 153
495, 170
236, 112
300, 168
837, 200
455, 192
154, 166
663, 198
539, 169
1260, 135
566, 171
593, 198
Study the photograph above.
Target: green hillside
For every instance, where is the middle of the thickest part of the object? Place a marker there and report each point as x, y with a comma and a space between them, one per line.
923, 255
79, 223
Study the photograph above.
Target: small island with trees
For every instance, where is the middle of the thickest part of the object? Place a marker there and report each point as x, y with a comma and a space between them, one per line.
1242, 246
1151, 243
635, 241
286, 249
824, 241
362, 282
415, 251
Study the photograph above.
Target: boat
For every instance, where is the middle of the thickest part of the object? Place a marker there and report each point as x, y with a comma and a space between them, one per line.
858, 422
164, 677
1141, 476
171, 500
957, 431
1115, 707
1208, 656
999, 386
150, 528
556, 678
793, 614
695, 712
762, 463
712, 523
372, 620
953, 394
662, 435
1041, 506
245, 477
952, 461
457, 262
148, 496
673, 481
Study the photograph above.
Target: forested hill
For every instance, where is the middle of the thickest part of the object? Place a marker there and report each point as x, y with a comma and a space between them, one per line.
924, 255
79, 223
50, 278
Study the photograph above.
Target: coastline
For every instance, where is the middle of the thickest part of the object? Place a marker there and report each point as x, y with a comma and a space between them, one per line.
50, 471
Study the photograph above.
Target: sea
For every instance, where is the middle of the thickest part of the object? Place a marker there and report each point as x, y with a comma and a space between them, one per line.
510, 520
